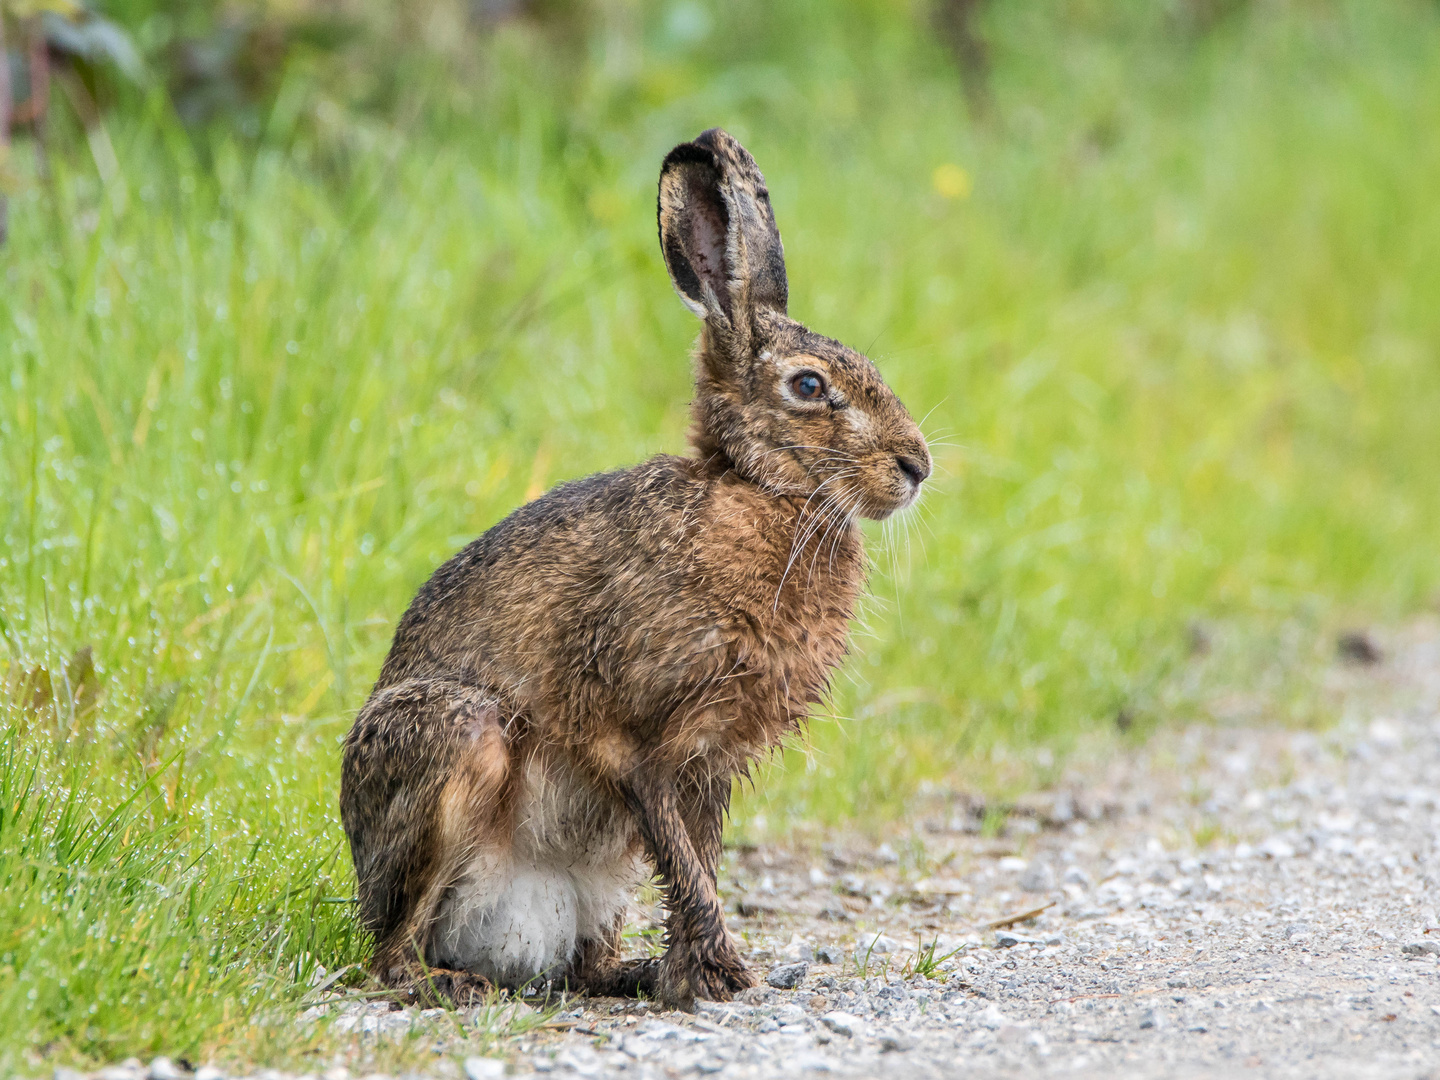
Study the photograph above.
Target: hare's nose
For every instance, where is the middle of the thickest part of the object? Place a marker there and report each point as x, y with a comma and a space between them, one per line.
914, 469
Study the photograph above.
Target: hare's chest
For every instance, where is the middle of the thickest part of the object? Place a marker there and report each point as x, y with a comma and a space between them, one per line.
757, 680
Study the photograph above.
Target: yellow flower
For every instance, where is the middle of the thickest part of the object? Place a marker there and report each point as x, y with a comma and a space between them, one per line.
952, 181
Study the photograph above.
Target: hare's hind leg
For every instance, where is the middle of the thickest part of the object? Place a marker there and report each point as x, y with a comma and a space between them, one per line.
426, 781
599, 970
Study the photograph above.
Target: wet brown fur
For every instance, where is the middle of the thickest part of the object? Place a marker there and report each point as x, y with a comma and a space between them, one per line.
639, 636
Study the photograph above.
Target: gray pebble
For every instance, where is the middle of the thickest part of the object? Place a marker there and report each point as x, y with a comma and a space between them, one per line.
1422, 948
895, 1041
841, 1023
1037, 877
788, 976
484, 1068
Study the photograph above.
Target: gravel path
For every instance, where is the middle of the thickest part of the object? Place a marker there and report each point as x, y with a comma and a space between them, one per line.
1224, 899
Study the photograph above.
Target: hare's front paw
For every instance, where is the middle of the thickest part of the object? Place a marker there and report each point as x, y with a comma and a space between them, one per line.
687, 974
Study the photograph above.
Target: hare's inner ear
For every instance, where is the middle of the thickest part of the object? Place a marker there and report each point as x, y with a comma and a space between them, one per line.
758, 273
694, 231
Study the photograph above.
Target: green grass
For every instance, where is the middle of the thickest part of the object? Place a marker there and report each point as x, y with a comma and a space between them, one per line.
1178, 342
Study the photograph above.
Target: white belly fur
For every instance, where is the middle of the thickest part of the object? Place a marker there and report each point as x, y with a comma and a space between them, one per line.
517, 913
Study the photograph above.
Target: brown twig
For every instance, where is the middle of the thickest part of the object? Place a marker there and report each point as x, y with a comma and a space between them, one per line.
1020, 916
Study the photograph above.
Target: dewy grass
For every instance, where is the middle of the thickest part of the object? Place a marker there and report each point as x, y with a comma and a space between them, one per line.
926, 963
1170, 311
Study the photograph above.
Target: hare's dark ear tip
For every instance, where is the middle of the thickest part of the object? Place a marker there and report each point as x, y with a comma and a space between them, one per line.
714, 138
715, 147
688, 153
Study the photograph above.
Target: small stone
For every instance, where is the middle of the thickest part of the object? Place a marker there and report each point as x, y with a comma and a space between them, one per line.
1422, 948
893, 1042
579, 1059
484, 1068
1357, 647
62, 1073
798, 949
879, 945
1385, 734
639, 1048
841, 1023
835, 911
993, 1018
162, 1068
1012, 1033
788, 976
1037, 877
1278, 848
1075, 876
829, 954
790, 1014
1152, 1018
1194, 887
808, 1061
394, 1023
1062, 812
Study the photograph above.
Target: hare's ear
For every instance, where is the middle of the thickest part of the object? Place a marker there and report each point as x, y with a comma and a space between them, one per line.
718, 233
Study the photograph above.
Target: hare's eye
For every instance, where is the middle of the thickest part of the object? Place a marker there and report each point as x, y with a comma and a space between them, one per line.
808, 386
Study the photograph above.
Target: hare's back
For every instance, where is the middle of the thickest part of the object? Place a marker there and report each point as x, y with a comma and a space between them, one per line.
515, 592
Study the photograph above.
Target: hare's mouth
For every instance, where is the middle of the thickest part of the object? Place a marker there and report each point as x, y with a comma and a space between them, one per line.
890, 485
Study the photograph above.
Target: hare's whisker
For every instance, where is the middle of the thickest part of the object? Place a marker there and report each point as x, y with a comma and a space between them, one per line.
921, 424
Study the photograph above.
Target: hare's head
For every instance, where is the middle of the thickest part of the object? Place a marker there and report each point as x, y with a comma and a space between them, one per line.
795, 412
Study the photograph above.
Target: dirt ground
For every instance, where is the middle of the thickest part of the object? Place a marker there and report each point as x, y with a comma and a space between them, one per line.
1231, 898
1226, 900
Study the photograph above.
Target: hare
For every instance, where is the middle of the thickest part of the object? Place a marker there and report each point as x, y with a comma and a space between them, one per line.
573, 694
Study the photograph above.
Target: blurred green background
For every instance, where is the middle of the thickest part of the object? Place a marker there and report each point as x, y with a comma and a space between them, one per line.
299, 297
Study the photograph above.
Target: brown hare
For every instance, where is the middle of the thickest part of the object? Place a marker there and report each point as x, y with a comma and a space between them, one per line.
573, 694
